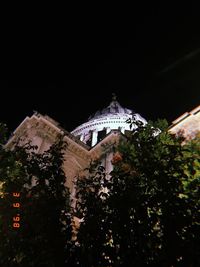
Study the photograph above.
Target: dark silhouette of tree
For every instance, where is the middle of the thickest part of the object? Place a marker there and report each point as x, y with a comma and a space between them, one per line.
38, 232
147, 213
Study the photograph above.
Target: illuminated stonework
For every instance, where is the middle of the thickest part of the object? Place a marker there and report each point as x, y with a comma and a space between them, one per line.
113, 117
188, 124
91, 140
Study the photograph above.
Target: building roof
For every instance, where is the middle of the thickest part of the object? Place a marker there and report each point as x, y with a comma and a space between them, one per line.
187, 124
113, 117
114, 108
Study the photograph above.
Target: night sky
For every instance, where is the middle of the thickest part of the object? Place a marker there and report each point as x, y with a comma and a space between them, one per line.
151, 60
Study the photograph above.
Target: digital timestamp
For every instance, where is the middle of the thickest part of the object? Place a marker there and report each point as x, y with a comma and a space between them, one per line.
16, 205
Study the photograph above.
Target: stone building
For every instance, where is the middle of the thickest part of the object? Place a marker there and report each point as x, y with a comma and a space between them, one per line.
188, 124
93, 139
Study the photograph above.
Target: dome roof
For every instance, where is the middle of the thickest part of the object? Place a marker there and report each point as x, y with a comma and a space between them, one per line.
113, 109
113, 117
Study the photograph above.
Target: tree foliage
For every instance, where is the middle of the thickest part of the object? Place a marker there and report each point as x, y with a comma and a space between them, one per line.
37, 232
147, 212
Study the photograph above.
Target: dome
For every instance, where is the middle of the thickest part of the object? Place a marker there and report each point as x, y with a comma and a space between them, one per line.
113, 108
113, 117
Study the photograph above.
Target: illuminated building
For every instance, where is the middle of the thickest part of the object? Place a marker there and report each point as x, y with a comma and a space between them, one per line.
188, 124
93, 139
90, 141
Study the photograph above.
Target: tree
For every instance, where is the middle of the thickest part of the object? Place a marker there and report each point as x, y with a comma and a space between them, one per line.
147, 213
37, 230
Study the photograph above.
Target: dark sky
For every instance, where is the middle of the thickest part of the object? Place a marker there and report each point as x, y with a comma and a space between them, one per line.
69, 69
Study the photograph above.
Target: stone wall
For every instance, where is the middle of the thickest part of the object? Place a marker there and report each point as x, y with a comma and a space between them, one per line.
188, 124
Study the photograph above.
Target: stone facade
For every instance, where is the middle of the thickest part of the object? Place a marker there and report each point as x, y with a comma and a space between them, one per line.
93, 139
188, 124
102, 129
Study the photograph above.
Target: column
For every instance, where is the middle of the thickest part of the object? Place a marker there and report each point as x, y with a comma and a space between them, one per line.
94, 137
108, 130
122, 129
81, 137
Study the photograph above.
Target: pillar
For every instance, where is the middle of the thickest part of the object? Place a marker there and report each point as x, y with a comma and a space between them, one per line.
108, 130
94, 137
